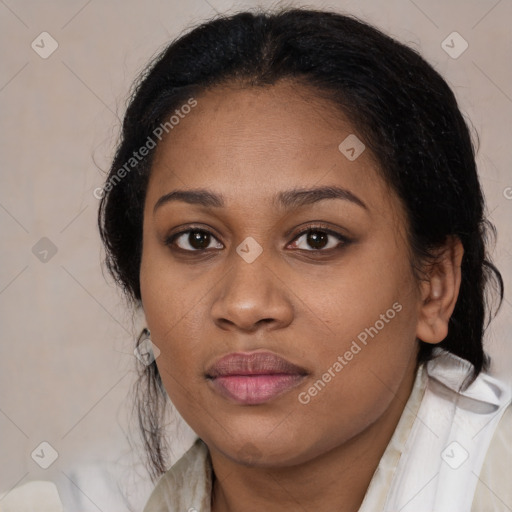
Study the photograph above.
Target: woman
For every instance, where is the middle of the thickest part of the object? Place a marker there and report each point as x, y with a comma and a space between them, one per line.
294, 204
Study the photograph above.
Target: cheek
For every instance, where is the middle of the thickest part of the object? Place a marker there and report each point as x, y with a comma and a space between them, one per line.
370, 286
173, 311
368, 316
168, 294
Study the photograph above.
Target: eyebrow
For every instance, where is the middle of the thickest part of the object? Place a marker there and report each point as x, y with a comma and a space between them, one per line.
288, 199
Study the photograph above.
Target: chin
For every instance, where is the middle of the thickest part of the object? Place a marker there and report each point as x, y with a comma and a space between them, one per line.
265, 454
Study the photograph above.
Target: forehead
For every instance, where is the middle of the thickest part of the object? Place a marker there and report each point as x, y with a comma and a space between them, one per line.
252, 141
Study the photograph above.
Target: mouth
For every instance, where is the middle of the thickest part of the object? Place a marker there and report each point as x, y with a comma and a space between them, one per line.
253, 378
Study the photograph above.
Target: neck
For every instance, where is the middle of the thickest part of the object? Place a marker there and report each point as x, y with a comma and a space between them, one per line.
334, 480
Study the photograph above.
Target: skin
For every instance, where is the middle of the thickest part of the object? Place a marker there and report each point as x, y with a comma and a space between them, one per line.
304, 304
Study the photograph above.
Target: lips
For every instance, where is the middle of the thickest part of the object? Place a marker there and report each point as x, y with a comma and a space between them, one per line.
253, 378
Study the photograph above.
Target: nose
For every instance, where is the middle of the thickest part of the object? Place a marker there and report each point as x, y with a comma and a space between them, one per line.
250, 296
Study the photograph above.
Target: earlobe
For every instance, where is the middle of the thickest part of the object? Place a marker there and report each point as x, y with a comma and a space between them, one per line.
439, 292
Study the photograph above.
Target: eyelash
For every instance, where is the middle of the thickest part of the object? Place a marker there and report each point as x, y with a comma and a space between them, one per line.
169, 241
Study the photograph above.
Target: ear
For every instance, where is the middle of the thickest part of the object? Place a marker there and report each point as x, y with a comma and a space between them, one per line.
439, 292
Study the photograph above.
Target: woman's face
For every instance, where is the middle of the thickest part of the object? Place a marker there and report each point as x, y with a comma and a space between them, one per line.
276, 345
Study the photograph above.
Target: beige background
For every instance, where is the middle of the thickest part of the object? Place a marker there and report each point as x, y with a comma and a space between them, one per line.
66, 365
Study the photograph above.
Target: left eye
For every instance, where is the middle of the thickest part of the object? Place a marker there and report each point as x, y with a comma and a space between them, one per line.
319, 239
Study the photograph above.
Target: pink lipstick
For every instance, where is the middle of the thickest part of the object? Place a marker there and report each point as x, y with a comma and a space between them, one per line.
253, 378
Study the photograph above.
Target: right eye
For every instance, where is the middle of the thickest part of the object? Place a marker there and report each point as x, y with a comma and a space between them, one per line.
192, 240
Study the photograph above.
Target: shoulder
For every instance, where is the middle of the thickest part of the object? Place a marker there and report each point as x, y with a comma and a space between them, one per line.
186, 485
36, 495
482, 421
462, 436
494, 492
